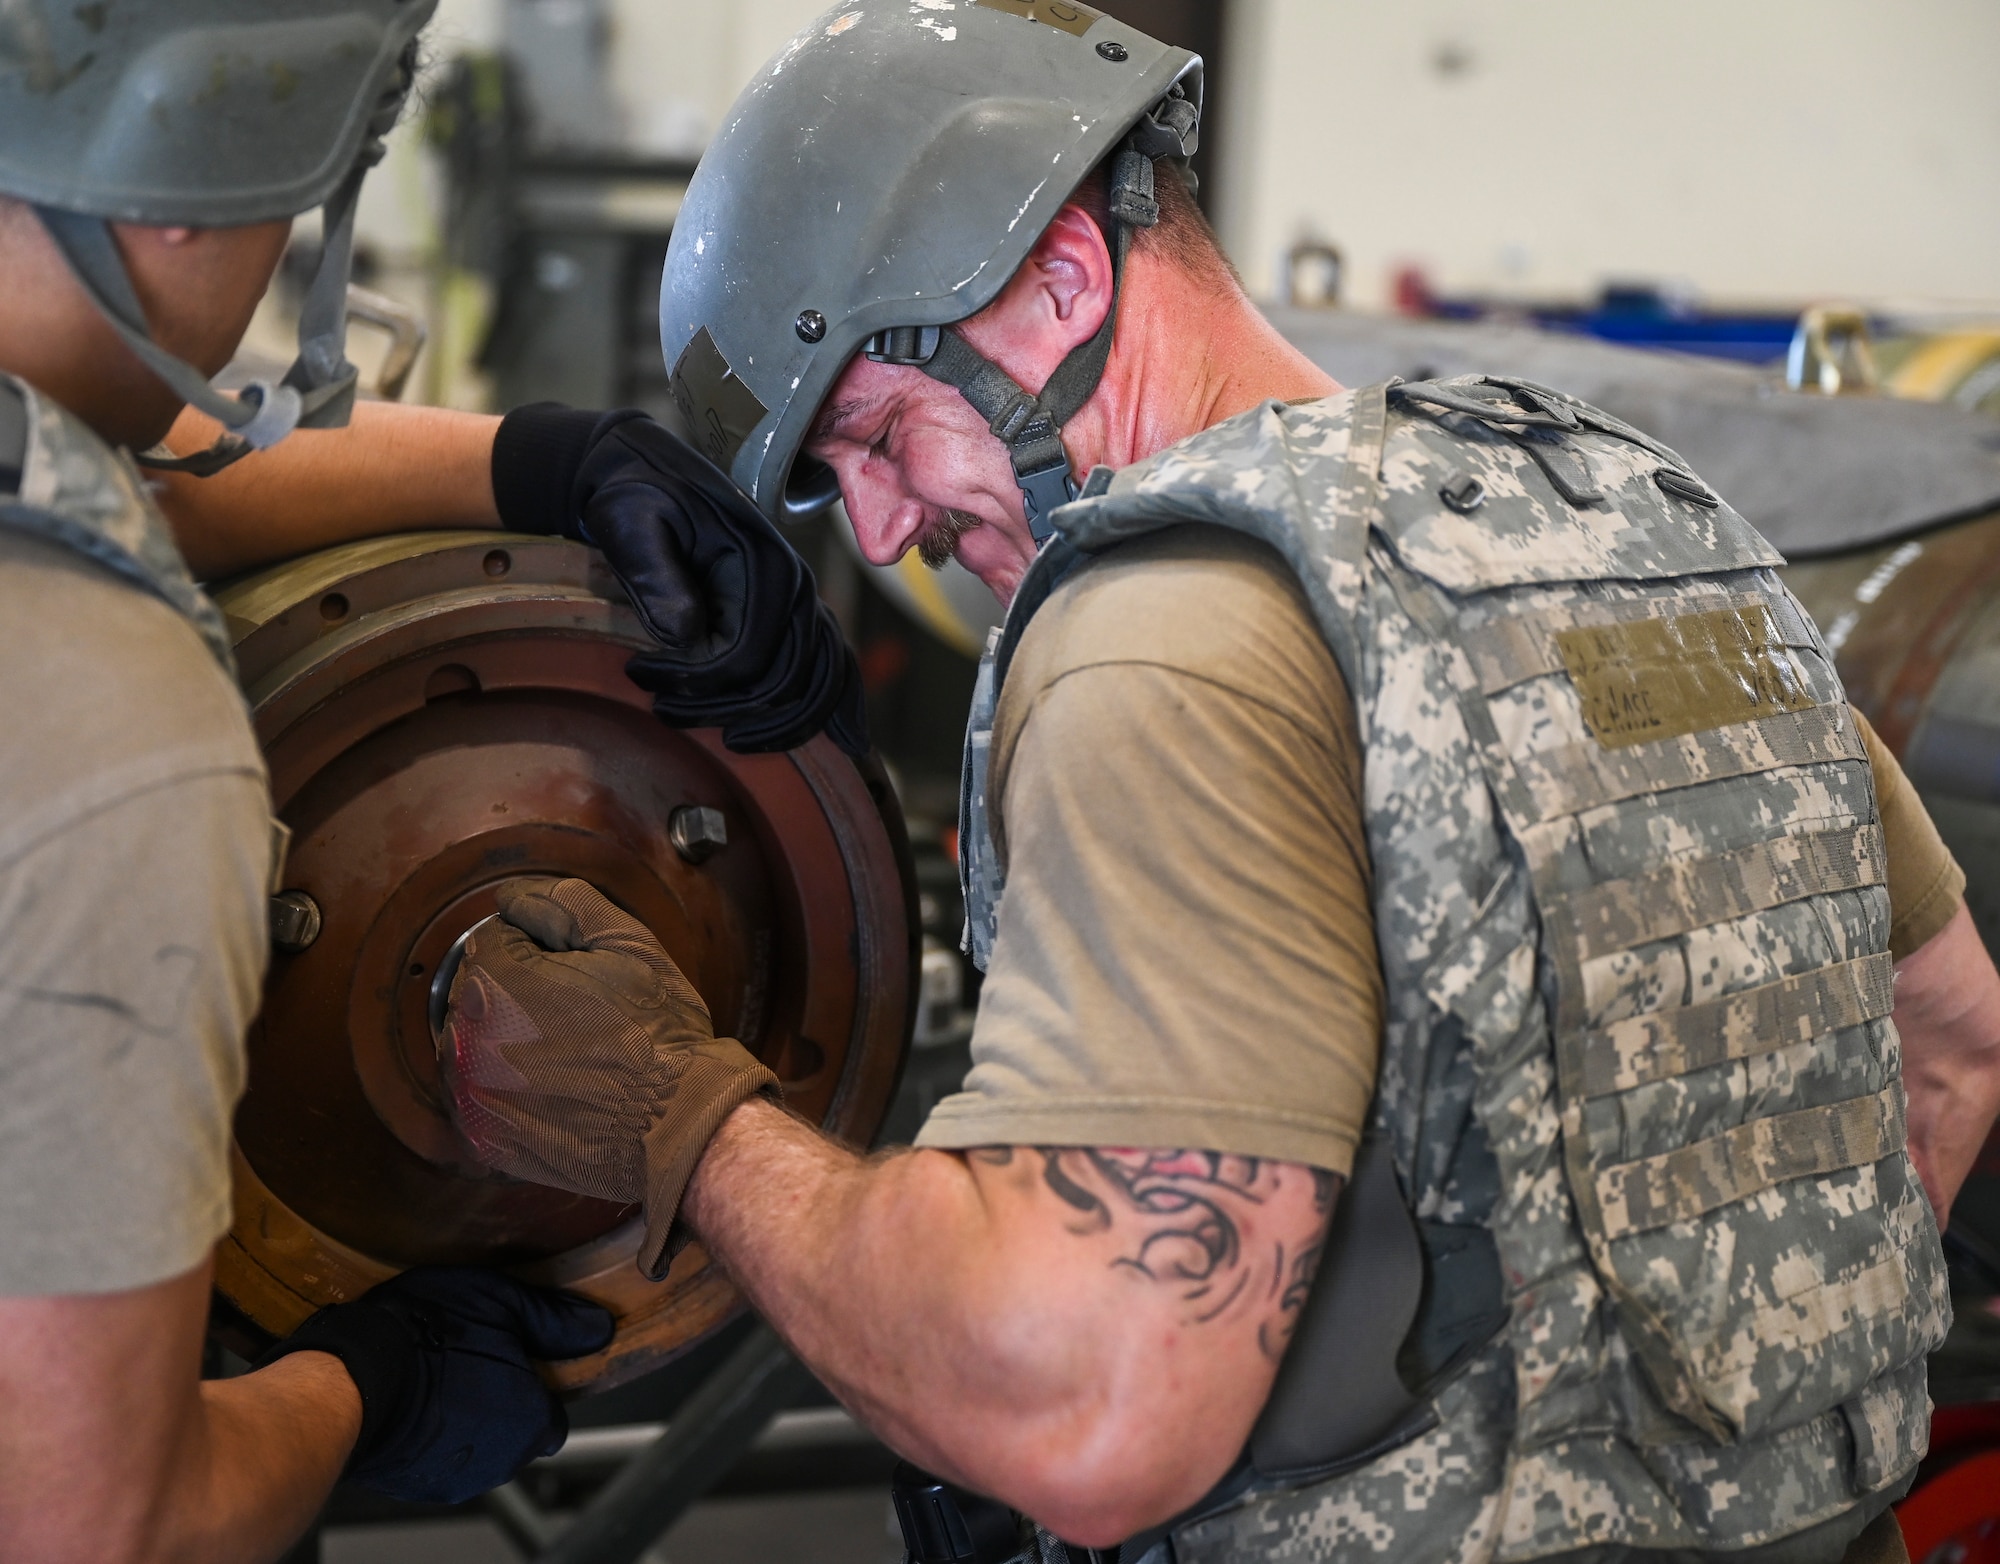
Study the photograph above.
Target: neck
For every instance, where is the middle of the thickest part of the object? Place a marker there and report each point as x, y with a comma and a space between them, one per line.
1190, 352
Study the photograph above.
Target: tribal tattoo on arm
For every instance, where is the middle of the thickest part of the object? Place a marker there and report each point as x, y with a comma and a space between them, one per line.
1234, 1237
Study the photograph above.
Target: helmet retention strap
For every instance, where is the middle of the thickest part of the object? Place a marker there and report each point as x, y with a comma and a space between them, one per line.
1030, 425
317, 392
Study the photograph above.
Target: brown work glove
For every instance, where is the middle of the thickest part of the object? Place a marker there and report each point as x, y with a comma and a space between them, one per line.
576, 1054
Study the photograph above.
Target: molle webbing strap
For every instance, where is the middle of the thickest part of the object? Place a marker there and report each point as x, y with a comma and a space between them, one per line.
1510, 651
1360, 504
1678, 1185
1524, 416
1516, 404
1571, 778
1678, 898
1761, 1020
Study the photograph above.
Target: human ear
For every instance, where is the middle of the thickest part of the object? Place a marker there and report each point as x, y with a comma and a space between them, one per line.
1071, 264
1057, 300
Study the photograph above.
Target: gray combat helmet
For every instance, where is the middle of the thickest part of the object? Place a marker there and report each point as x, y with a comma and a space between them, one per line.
882, 178
208, 113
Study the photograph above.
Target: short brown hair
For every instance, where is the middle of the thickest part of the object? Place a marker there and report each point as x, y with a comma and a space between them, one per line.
1182, 236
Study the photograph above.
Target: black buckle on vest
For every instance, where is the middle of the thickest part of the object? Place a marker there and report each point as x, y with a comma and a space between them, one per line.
943, 1524
13, 438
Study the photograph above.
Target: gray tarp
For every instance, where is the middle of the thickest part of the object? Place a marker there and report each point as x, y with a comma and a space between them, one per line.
1815, 474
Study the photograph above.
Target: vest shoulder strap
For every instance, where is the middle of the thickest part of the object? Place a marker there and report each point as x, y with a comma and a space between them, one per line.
72, 489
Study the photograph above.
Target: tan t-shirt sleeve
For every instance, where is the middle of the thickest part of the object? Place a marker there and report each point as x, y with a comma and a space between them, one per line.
1186, 953
121, 1034
1926, 884
135, 865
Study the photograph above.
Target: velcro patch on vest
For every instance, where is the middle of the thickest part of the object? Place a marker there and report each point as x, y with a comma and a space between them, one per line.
1650, 679
1516, 647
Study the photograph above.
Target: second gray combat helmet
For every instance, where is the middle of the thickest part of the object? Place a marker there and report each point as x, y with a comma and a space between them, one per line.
892, 167
206, 113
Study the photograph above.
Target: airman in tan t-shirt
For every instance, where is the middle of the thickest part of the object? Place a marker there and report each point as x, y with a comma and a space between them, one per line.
1186, 951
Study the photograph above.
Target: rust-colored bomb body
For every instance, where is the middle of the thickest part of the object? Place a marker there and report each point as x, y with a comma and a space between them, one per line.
442, 713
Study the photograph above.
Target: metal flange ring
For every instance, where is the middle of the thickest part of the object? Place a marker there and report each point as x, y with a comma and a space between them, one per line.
445, 712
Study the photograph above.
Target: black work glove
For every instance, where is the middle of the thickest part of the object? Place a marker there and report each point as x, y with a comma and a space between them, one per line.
450, 1404
745, 643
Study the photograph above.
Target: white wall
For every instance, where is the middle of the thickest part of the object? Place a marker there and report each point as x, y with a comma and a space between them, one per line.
1754, 149
678, 65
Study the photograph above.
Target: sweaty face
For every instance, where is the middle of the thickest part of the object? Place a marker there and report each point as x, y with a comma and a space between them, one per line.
919, 469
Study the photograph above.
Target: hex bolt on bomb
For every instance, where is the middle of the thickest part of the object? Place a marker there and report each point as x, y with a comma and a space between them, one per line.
698, 832
454, 727
295, 921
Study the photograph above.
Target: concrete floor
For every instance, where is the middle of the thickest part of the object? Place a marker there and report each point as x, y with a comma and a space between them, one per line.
814, 1528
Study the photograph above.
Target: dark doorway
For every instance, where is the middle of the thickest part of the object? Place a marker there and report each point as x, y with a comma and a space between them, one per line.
1189, 24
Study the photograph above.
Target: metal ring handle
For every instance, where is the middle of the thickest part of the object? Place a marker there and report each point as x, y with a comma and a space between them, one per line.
447, 971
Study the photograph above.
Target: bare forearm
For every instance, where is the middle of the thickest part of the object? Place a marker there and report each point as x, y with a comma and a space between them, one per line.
856, 1262
1948, 1012
262, 1455
113, 1452
1087, 1334
393, 469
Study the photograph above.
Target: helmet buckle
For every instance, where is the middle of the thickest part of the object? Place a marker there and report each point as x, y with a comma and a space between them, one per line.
913, 346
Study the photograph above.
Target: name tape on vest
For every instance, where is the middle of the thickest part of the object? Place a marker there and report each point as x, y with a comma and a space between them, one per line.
1653, 679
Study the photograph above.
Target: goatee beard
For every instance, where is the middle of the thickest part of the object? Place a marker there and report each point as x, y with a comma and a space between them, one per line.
939, 544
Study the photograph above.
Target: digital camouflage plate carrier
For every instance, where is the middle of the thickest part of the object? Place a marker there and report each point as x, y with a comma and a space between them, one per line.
1631, 912
66, 485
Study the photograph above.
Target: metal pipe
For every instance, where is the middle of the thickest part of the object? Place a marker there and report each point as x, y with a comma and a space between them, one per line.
814, 1428
523, 1522
720, 1422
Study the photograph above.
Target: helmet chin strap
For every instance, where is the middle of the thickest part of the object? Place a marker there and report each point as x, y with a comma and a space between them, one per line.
317, 392
1030, 425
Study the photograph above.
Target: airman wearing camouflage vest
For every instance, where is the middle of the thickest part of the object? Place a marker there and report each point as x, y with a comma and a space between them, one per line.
1437, 1088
